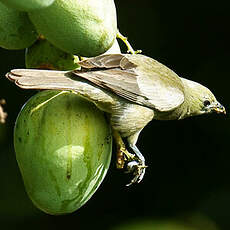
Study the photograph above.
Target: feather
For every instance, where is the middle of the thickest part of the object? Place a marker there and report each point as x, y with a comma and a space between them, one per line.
136, 78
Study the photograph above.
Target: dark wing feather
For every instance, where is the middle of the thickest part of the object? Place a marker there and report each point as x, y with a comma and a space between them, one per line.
116, 80
137, 78
106, 61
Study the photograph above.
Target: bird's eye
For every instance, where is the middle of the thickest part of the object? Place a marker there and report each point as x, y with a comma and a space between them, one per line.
207, 103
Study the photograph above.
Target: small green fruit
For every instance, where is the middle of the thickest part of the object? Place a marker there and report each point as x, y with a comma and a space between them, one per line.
63, 148
83, 27
17, 32
27, 5
43, 55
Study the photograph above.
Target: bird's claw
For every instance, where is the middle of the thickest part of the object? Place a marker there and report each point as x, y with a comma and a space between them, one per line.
138, 169
135, 163
122, 156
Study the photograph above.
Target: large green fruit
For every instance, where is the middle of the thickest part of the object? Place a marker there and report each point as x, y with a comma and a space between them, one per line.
83, 27
27, 5
187, 222
63, 148
16, 30
43, 55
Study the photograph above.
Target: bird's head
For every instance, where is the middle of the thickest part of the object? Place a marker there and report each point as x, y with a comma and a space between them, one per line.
200, 99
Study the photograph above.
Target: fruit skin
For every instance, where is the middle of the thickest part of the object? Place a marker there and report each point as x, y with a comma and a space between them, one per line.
27, 5
83, 27
63, 148
43, 55
17, 32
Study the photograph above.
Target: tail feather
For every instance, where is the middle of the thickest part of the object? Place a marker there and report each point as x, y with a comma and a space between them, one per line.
60, 80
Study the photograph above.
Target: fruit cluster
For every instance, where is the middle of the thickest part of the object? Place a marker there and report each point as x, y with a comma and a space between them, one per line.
85, 28
62, 142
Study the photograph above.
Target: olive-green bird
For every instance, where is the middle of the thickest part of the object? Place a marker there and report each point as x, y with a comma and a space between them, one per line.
132, 89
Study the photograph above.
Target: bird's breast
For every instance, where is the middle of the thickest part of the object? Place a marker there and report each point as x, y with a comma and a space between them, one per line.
128, 118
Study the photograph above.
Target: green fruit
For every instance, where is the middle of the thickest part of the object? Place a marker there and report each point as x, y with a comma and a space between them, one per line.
27, 5
194, 221
83, 27
156, 225
16, 30
43, 55
63, 148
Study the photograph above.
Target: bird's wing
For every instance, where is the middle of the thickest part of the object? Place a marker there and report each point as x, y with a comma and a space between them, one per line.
136, 78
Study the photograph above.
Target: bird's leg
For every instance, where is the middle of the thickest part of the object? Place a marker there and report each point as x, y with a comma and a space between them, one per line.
135, 162
138, 165
122, 153
125, 40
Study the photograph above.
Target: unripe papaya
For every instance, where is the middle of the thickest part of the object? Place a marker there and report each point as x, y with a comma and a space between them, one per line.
43, 55
63, 148
83, 27
27, 5
17, 32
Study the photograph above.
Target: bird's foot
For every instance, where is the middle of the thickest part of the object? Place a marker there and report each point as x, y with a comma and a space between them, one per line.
134, 163
123, 155
125, 40
138, 169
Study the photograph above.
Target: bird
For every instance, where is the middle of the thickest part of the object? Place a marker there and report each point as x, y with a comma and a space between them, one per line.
132, 89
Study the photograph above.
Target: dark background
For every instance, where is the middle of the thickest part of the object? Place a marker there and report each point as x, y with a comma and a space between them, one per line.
188, 173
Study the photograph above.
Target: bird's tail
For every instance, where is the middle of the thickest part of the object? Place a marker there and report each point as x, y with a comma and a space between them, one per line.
60, 80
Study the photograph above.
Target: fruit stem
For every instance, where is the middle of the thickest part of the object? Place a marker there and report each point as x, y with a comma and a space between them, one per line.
125, 40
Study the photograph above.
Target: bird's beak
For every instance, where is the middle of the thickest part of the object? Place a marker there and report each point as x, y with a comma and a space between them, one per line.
217, 108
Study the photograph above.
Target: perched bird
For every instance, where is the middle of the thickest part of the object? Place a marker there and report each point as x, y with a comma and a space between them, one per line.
132, 89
